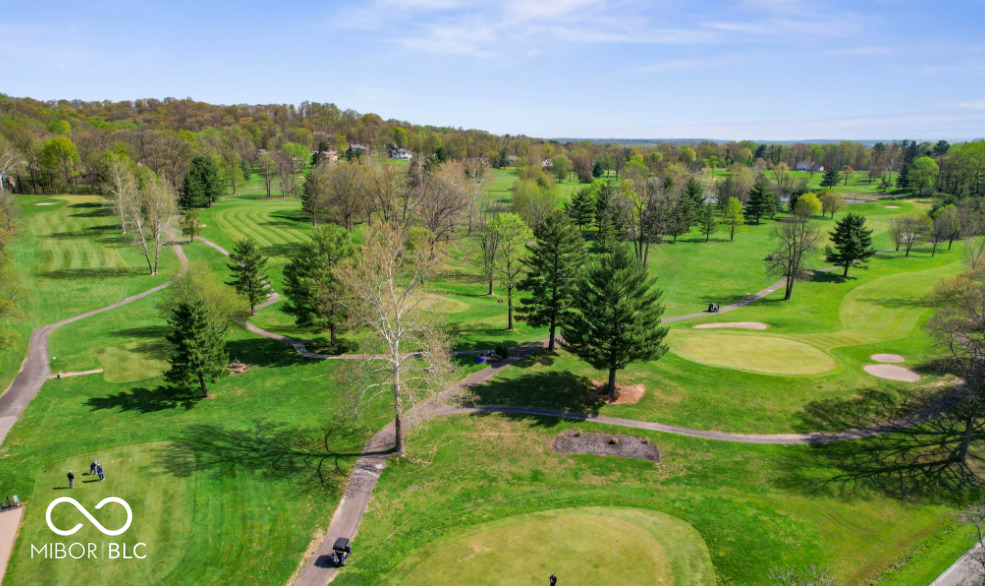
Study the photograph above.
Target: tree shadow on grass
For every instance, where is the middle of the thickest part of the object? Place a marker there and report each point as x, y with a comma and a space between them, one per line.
554, 390
915, 464
290, 218
313, 456
97, 212
145, 400
143, 332
282, 249
264, 352
103, 273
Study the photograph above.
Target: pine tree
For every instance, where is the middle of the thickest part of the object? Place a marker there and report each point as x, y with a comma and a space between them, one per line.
694, 194
249, 268
760, 200
582, 207
831, 178
553, 267
616, 316
198, 350
852, 242
203, 183
313, 292
708, 220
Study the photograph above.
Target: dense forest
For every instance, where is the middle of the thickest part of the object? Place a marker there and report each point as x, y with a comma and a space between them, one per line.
50, 146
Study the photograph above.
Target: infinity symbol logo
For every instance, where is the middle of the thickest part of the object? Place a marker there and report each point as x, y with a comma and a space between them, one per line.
105, 531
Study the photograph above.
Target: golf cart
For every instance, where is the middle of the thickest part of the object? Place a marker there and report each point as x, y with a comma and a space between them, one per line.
341, 551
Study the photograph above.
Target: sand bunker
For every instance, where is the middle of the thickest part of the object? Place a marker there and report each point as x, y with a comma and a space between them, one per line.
887, 358
893, 207
743, 325
606, 444
45, 203
888, 371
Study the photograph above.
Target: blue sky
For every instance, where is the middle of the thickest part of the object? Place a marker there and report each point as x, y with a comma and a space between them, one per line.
759, 69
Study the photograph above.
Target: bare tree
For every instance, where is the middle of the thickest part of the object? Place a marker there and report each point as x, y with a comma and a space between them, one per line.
346, 191
266, 167
958, 326
118, 171
8, 161
314, 194
488, 241
386, 187
386, 280
913, 228
795, 238
440, 200
477, 181
975, 516
150, 211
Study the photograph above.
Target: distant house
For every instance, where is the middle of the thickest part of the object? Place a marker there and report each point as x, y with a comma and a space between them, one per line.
401, 154
259, 153
548, 164
329, 155
809, 166
358, 148
512, 159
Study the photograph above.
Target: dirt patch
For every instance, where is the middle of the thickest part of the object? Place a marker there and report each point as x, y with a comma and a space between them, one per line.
890, 372
887, 358
45, 203
893, 207
625, 394
606, 444
742, 325
237, 368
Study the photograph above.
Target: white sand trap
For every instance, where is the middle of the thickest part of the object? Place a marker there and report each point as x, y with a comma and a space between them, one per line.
45, 203
888, 358
893, 207
742, 325
888, 371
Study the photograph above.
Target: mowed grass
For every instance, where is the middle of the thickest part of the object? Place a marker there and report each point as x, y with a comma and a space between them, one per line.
594, 545
156, 500
466, 473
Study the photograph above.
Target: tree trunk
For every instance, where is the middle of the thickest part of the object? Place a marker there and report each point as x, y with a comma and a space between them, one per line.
205, 390
611, 388
789, 289
398, 437
933, 251
962, 454
333, 339
490, 294
509, 308
845, 274
550, 343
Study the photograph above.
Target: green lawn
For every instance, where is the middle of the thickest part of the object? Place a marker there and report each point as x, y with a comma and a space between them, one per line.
469, 474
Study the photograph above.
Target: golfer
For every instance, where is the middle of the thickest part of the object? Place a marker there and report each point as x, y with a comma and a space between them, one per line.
71, 479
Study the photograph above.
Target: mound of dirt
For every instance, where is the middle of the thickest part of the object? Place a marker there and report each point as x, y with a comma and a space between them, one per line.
742, 325
237, 368
887, 358
606, 444
890, 372
625, 394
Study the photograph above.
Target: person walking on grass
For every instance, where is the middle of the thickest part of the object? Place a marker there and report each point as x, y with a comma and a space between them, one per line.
92, 467
71, 479
99, 472
553, 579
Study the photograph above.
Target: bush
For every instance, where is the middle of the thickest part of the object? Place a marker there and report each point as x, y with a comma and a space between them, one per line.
502, 351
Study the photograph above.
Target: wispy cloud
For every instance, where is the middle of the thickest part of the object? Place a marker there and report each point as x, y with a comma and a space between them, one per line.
971, 105
862, 51
679, 65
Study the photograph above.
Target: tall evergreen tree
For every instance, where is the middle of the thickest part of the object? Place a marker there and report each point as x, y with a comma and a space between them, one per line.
760, 200
852, 242
694, 194
616, 316
249, 269
553, 267
708, 220
581, 210
310, 284
203, 183
198, 350
831, 177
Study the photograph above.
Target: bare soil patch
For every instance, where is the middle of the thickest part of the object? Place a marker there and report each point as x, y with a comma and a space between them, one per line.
893, 207
45, 203
742, 325
606, 444
890, 372
237, 368
625, 394
887, 358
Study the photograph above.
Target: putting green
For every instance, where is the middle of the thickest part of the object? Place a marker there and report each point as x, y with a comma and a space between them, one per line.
581, 545
161, 505
765, 354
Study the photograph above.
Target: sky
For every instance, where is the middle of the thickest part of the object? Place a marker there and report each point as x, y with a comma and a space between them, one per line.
727, 70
